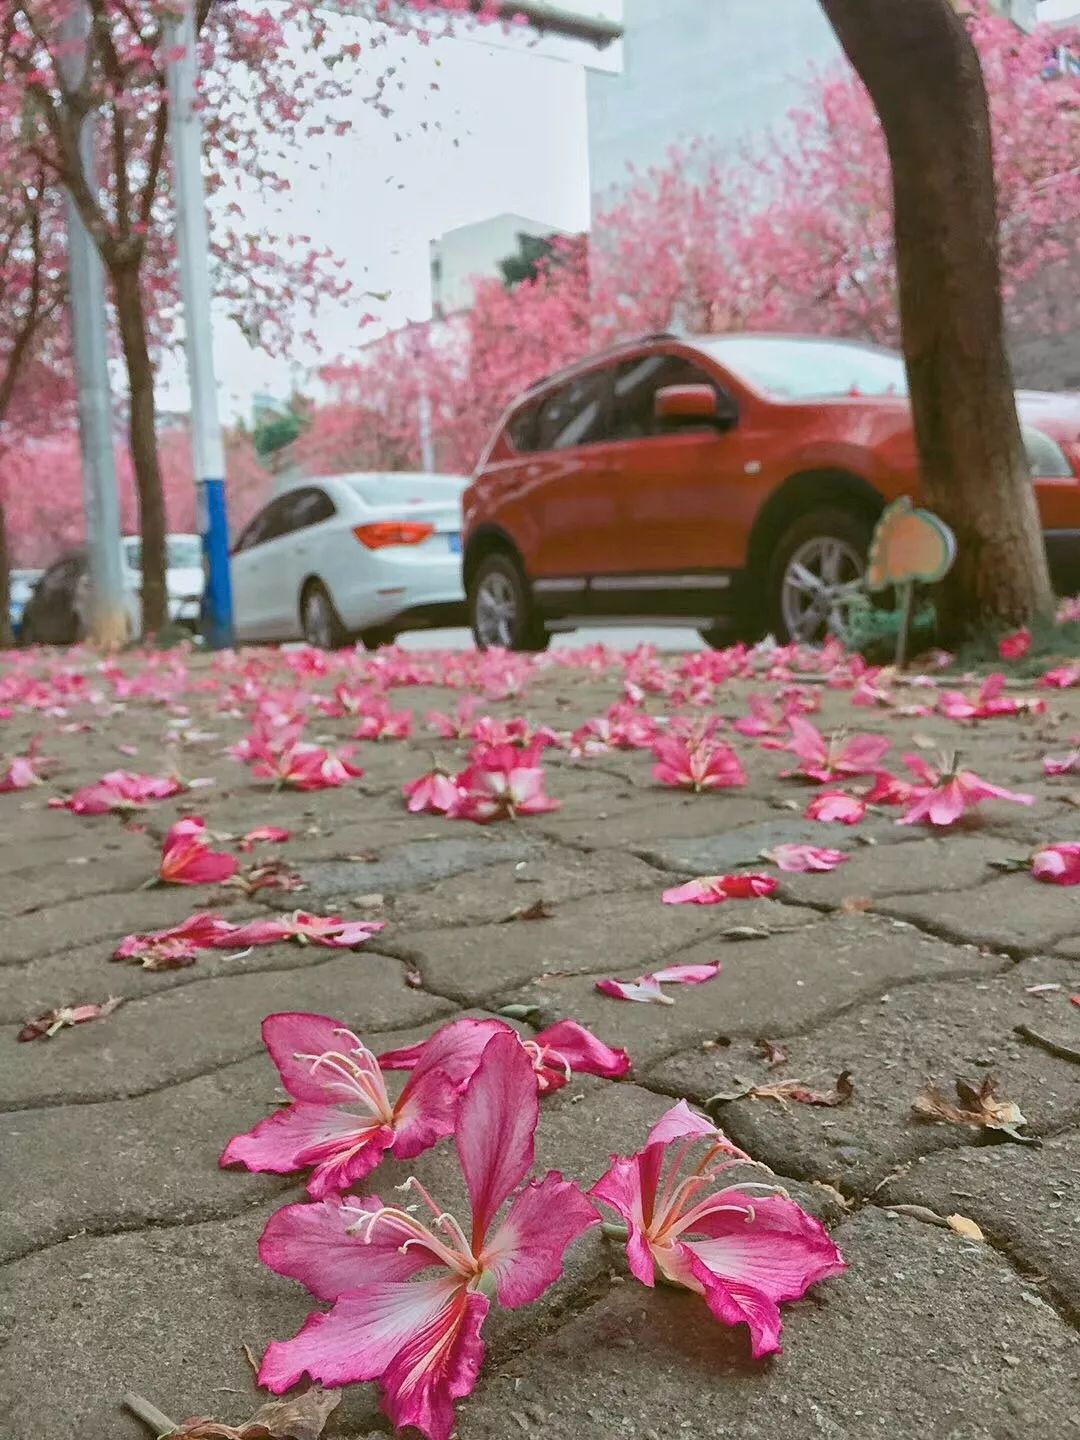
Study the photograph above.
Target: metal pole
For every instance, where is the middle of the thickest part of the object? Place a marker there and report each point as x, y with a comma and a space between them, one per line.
193, 243
106, 623
427, 438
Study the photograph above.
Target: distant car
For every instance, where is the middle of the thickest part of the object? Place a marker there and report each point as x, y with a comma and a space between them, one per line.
183, 579
20, 588
714, 479
341, 556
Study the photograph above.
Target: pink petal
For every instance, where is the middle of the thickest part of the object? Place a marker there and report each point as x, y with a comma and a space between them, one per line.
833, 806
290, 1034
439, 1364
526, 1252
359, 1338
254, 932
582, 1051
496, 1128
1057, 864
311, 1243
706, 891
629, 1187
425, 1111
342, 1147
455, 1048
685, 974
797, 859
646, 990
732, 1302
680, 1122
781, 1251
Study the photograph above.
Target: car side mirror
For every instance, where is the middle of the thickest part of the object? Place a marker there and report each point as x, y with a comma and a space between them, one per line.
676, 405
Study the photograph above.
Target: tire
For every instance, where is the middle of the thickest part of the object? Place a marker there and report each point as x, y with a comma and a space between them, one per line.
320, 622
501, 608
829, 545
722, 635
378, 635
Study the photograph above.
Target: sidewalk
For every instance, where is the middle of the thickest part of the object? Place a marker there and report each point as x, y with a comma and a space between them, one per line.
129, 1258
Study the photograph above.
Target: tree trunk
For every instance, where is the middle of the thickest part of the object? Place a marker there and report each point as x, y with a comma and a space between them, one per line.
7, 638
924, 77
131, 314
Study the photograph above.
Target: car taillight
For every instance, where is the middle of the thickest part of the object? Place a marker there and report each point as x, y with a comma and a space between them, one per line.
392, 532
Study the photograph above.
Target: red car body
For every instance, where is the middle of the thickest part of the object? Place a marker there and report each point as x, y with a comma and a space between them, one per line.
607, 503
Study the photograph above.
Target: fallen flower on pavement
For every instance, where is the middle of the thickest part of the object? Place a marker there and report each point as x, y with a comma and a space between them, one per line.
263, 834
802, 1094
888, 790
834, 807
270, 875
501, 783
377, 721
946, 795
1057, 864
798, 859
990, 702
53, 1021
25, 771
742, 1248
697, 765
1063, 677
556, 1052
301, 765
306, 929
457, 725
409, 1298
178, 946
646, 988
1015, 645
833, 758
432, 794
340, 1120
186, 857
119, 790
715, 889
983, 1107
1066, 764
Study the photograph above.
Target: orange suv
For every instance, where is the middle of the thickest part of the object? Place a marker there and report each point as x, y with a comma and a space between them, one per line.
715, 481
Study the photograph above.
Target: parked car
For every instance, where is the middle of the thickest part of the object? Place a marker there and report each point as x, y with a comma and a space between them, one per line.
709, 480
56, 613
20, 587
183, 579
341, 556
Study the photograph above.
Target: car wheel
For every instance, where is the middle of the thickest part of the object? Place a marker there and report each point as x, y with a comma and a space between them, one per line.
378, 635
501, 609
815, 563
319, 619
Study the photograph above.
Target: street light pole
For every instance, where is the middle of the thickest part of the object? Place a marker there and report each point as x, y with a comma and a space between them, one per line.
193, 243
107, 621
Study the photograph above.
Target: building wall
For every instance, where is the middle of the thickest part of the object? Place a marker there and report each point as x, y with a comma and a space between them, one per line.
461, 255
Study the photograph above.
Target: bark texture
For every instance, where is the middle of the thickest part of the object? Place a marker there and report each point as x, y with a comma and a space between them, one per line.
924, 77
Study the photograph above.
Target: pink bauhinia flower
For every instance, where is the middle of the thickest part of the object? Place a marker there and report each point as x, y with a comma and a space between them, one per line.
329, 931
1057, 864
490, 732
25, 771
715, 889
177, 946
341, 1120
501, 783
1062, 677
556, 1052
1015, 645
455, 726
409, 1298
646, 988
888, 789
744, 1251
432, 794
622, 727
263, 834
377, 721
945, 795
835, 807
836, 757
798, 859
301, 765
120, 790
186, 857
698, 765
1066, 764
989, 702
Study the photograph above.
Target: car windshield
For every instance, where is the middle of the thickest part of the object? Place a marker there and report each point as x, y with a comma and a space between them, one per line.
183, 552
809, 369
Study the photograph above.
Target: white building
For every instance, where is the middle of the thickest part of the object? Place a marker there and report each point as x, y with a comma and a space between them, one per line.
470, 252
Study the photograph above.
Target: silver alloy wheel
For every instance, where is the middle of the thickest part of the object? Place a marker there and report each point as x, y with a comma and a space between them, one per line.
819, 575
496, 610
318, 624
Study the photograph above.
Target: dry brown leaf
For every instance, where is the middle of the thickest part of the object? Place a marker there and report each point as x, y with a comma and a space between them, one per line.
414, 979
772, 1052
965, 1227
538, 910
800, 1092
302, 1417
855, 904
983, 1108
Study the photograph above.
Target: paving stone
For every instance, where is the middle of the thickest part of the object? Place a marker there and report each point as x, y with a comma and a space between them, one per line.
924, 1335
1013, 913
120, 862
194, 1029
780, 985
496, 893
1027, 1202
632, 931
892, 1045
102, 917
641, 821
408, 867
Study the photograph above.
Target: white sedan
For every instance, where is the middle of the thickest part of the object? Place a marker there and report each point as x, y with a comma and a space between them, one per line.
341, 556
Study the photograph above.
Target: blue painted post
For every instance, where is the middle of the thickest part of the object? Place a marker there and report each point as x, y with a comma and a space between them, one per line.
193, 245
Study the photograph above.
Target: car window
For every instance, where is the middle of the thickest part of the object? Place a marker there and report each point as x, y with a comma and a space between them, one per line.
308, 508
576, 413
634, 392
522, 427
252, 532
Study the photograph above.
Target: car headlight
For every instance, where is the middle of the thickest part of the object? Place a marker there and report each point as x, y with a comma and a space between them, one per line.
1047, 459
